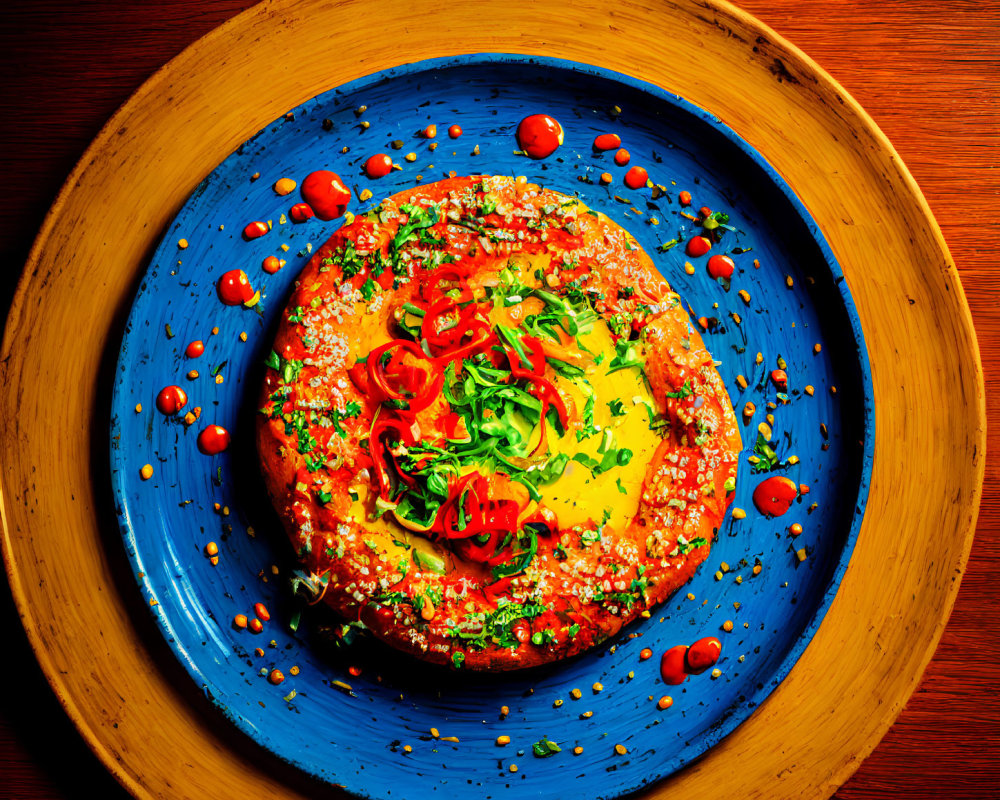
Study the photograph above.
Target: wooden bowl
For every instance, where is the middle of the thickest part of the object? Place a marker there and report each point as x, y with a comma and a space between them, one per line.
120, 684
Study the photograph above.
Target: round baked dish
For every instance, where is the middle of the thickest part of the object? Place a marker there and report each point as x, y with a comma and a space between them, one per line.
490, 429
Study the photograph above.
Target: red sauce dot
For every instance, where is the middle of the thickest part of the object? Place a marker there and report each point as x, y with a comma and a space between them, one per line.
301, 212
636, 178
171, 399
378, 166
255, 230
271, 264
672, 666
326, 194
684, 198
774, 495
195, 348
455, 131
721, 266
780, 379
704, 212
354, 671
234, 288
698, 246
539, 135
607, 141
622, 157
703, 654
213, 440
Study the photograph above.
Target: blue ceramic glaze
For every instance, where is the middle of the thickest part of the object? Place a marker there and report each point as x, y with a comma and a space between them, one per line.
358, 739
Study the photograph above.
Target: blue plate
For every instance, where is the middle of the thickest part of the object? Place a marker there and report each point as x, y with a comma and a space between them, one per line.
377, 739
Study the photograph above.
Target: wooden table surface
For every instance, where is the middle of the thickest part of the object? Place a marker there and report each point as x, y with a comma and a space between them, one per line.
928, 73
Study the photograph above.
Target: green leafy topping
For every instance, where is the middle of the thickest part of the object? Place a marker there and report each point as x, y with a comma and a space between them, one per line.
684, 391
544, 748
768, 458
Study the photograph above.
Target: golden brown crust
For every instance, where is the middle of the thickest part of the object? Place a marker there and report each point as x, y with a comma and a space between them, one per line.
583, 581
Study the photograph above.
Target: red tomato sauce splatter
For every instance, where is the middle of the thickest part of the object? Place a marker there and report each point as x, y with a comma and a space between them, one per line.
622, 157
271, 264
703, 654
326, 194
255, 230
681, 661
455, 131
672, 667
195, 349
636, 178
721, 266
539, 135
213, 440
378, 166
301, 212
607, 141
698, 246
171, 399
234, 288
774, 495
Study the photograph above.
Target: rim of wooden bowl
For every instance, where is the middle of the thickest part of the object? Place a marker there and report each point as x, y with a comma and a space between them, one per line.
103, 658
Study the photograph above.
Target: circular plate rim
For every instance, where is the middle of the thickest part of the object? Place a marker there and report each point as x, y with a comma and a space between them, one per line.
35, 282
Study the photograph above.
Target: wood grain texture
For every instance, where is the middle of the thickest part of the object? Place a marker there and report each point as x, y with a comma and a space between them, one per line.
902, 47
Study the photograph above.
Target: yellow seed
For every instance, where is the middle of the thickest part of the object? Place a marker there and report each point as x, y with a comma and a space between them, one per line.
214, 561
192, 374
690, 596
218, 379
793, 459
182, 244
586, 715
504, 711
782, 364
689, 268
833, 390
760, 358
138, 408
577, 750
284, 186
736, 318
739, 513
770, 419
225, 511
718, 575
557, 702
146, 472
502, 740
597, 687
211, 549
435, 733
365, 195
727, 626
410, 157
407, 748
724, 566
757, 569
744, 296
576, 694
449, 738
817, 348
753, 459
809, 390
764, 430
243, 336
789, 282
741, 382
739, 579
801, 554
621, 749
294, 670
365, 124
665, 702
716, 672
215, 331
512, 767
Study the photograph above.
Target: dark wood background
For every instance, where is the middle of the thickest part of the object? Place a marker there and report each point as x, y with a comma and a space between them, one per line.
929, 74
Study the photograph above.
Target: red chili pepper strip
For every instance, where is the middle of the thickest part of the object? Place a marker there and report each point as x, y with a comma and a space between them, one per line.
417, 393
404, 434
